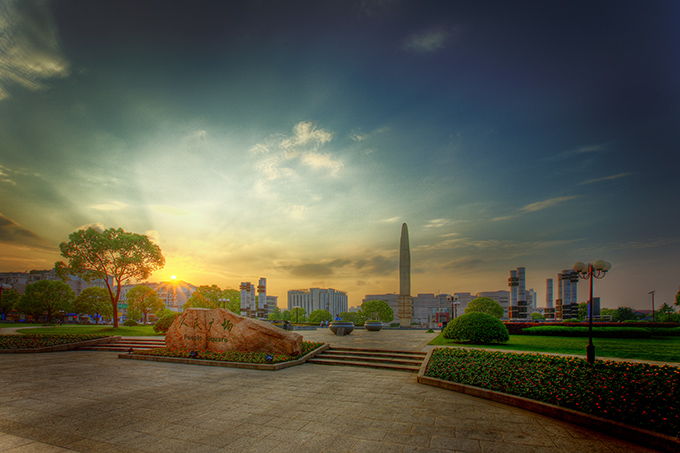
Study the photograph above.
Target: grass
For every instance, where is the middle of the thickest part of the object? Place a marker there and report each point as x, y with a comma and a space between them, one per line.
136, 331
662, 349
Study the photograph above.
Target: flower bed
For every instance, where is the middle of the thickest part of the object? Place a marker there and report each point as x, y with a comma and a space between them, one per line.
642, 395
229, 356
36, 341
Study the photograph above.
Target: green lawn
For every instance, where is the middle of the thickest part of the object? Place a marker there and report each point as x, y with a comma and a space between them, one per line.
136, 331
663, 349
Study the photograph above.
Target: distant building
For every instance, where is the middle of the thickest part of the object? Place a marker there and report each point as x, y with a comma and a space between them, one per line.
252, 306
331, 300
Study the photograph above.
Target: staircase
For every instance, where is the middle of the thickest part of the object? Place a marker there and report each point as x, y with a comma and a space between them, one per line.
372, 358
124, 345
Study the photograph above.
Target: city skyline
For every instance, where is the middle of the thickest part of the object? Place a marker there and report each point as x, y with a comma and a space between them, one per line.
291, 140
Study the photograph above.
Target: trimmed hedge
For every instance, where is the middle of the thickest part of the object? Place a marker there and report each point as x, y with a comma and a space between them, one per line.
479, 328
517, 328
598, 332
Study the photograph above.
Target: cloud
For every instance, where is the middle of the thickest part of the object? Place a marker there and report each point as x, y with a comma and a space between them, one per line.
172, 210
113, 206
306, 134
606, 178
426, 42
279, 154
377, 265
12, 232
391, 220
438, 223
97, 226
318, 160
29, 46
315, 270
545, 204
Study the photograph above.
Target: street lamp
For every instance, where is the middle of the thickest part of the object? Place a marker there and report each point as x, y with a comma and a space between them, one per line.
597, 269
652, 293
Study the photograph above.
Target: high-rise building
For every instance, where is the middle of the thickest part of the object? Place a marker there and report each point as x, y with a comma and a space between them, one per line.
331, 300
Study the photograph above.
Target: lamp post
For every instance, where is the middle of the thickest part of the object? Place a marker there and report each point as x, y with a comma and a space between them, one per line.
597, 269
652, 293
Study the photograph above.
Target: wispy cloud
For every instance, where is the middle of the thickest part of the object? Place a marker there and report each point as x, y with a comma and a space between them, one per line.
112, 206
438, 223
12, 232
29, 46
428, 41
606, 178
538, 206
391, 220
545, 204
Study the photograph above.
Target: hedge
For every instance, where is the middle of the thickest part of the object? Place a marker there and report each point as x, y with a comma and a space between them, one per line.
517, 328
598, 332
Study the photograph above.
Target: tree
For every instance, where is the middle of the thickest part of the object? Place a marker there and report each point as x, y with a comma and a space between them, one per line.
46, 296
113, 256
298, 314
608, 312
276, 315
144, 300
624, 314
213, 297
677, 299
536, 316
377, 310
8, 299
285, 316
667, 313
354, 317
93, 301
318, 316
582, 311
485, 305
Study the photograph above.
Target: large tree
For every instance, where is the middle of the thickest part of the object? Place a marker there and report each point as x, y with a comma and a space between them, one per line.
377, 310
625, 314
276, 315
144, 300
485, 305
94, 301
8, 299
46, 296
298, 314
114, 256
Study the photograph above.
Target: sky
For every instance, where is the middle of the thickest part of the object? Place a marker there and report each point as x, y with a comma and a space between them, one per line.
291, 139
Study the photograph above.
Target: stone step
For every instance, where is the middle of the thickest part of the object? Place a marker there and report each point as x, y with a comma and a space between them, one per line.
374, 358
125, 344
358, 363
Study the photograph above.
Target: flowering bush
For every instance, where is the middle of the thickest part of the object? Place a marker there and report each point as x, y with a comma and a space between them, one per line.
229, 356
639, 394
35, 341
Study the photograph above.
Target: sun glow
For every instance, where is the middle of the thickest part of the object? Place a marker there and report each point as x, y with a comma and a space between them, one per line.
173, 277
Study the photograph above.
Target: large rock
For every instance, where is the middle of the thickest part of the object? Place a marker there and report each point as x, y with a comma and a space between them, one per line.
221, 330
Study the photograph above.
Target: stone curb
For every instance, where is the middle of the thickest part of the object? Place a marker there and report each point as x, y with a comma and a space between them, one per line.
644, 437
219, 363
62, 347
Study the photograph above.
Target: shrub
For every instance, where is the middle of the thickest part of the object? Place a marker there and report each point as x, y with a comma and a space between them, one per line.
164, 322
598, 332
666, 332
480, 328
130, 323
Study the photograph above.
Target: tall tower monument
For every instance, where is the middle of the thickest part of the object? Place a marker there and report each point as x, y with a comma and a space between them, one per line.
404, 302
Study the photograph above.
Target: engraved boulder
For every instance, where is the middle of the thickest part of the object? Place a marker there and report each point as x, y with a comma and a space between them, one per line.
221, 330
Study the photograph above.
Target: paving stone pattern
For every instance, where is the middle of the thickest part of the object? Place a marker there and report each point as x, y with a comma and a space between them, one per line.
93, 401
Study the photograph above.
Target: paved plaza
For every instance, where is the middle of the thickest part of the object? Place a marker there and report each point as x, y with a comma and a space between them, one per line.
93, 401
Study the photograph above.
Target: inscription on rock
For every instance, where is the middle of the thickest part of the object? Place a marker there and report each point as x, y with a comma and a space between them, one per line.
221, 330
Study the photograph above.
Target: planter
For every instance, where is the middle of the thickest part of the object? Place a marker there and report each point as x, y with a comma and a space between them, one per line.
344, 327
373, 326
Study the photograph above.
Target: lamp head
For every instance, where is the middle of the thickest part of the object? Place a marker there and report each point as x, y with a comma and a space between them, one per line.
579, 266
599, 265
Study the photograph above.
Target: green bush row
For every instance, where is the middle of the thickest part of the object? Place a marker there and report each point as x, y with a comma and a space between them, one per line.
599, 332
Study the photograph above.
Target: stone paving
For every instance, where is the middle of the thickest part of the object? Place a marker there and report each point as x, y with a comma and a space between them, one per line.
93, 401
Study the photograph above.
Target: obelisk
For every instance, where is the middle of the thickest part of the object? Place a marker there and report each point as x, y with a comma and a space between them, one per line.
404, 303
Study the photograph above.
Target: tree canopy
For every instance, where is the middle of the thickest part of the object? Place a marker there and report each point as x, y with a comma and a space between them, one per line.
8, 299
298, 314
114, 256
317, 316
485, 305
213, 297
46, 296
275, 315
93, 301
625, 314
144, 300
377, 310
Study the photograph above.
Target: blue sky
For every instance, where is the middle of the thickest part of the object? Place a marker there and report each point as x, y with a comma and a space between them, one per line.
291, 139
